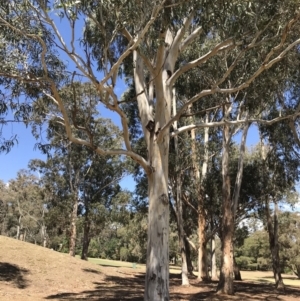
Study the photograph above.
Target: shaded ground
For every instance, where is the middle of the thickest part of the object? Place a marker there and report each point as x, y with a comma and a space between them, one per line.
29, 272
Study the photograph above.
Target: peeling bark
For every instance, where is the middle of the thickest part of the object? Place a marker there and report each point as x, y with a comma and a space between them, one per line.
227, 225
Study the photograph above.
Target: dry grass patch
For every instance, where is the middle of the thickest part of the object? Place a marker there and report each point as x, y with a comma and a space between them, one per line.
32, 273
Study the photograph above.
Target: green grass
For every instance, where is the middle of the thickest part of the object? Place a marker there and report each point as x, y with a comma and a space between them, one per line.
116, 263
257, 276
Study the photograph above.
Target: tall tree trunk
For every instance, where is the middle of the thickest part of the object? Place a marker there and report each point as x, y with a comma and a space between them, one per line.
214, 274
86, 238
157, 270
227, 224
157, 140
272, 228
274, 246
183, 251
181, 234
237, 189
73, 232
202, 254
229, 207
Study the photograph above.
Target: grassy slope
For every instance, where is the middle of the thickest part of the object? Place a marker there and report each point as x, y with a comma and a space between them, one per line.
30, 272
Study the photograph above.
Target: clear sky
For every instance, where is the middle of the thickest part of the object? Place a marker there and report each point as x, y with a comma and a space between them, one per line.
24, 151
20, 155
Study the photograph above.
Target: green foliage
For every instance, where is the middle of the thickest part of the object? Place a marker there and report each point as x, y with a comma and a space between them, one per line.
290, 240
254, 254
246, 263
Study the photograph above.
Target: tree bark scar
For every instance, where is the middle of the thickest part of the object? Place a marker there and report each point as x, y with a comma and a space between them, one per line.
150, 126
164, 199
153, 277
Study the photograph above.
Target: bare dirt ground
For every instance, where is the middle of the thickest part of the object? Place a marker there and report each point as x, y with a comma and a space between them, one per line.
29, 272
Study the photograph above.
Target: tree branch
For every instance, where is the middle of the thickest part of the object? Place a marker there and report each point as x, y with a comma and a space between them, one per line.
225, 45
213, 90
235, 122
190, 39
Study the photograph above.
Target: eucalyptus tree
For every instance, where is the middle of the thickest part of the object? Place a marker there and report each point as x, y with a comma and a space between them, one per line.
4, 207
25, 196
289, 226
75, 172
280, 173
102, 197
152, 36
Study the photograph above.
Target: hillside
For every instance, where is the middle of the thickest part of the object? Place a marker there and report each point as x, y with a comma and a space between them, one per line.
32, 273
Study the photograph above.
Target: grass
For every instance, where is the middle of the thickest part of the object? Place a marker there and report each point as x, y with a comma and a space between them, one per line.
32, 273
141, 267
256, 276
267, 276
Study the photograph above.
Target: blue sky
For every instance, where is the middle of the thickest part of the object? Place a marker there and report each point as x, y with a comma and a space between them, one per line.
19, 157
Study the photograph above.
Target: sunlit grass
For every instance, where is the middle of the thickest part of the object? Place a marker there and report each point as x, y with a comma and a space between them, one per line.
265, 277
256, 276
116, 263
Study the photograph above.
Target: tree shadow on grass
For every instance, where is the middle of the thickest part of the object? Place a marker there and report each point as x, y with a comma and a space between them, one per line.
284, 277
126, 287
93, 271
14, 274
129, 286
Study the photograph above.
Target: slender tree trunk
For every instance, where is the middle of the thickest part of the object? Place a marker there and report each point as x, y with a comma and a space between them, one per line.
272, 228
214, 273
202, 254
189, 262
236, 269
3, 209
183, 251
181, 234
86, 238
274, 246
44, 235
226, 276
73, 232
202, 260
18, 232
237, 189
